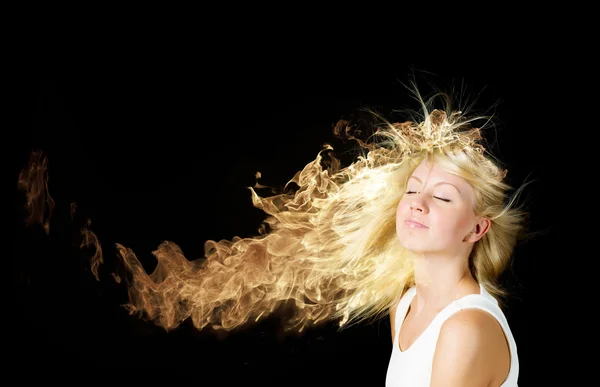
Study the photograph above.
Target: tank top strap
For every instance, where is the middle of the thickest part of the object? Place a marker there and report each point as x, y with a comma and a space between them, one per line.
469, 301
479, 301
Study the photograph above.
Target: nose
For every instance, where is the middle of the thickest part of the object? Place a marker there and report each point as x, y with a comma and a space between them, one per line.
415, 207
417, 203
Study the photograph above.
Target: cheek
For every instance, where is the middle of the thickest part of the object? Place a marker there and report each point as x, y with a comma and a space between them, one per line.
401, 208
404, 234
454, 222
400, 216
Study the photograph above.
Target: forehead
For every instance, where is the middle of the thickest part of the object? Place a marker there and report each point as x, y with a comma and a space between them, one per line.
434, 173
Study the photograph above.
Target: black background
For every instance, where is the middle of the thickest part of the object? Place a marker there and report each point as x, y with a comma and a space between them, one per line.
156, 140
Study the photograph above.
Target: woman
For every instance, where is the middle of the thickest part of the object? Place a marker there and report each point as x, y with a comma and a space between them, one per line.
448, 330
418, 226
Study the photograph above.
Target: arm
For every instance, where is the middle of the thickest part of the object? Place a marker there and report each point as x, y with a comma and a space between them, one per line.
471, 351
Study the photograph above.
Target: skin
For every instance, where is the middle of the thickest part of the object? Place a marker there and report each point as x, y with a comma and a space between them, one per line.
435, 220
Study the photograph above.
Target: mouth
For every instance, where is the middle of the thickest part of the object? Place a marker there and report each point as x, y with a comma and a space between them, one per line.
414, 224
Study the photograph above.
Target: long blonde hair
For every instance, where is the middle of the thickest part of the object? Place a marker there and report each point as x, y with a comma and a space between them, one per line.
328, 244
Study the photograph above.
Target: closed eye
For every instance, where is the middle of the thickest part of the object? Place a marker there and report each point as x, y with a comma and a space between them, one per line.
436, 197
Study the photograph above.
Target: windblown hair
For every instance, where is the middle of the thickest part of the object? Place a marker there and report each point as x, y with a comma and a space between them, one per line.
329, 246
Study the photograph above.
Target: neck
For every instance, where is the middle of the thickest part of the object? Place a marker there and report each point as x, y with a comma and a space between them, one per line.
440, 280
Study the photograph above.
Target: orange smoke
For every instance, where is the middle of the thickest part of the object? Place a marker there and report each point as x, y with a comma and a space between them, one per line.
306, 254
34, 181
91, 240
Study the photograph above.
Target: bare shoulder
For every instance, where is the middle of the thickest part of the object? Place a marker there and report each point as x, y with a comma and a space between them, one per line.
471, 351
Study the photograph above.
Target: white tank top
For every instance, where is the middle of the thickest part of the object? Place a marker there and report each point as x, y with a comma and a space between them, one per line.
412, 367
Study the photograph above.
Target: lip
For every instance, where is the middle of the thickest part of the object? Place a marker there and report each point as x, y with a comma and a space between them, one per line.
414, 224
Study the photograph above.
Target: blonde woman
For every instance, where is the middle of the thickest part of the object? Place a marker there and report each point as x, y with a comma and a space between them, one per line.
448, 329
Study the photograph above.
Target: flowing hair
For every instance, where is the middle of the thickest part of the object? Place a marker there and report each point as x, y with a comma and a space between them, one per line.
328, 244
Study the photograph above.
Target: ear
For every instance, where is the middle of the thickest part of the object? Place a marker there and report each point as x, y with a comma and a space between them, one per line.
479, 230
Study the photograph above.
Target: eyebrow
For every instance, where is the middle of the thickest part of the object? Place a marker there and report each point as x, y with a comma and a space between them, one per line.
436, 184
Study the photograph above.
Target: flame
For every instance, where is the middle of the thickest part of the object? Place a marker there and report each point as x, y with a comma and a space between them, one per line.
34, 181
91, 240
246, 279
290, 262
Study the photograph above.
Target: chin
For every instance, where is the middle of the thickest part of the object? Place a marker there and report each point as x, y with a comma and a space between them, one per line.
410, 237
413, 245
417, 250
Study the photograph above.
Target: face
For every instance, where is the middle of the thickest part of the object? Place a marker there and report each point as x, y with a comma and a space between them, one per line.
435, 214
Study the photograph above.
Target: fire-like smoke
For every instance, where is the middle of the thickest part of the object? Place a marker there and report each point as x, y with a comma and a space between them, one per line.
33, 180
91, 240
304, 256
